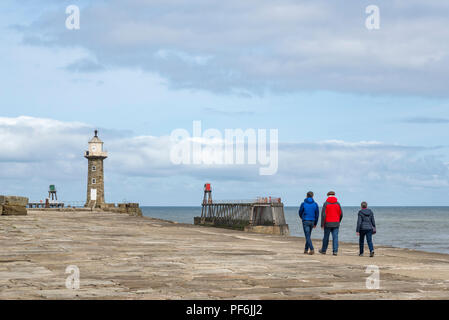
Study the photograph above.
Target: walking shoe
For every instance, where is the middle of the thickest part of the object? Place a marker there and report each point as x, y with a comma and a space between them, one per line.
335, 253
321, 251
371, 254
306, 251
361, 255
312, 252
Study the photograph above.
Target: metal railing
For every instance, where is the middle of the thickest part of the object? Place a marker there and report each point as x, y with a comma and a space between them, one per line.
260, 200
73, 204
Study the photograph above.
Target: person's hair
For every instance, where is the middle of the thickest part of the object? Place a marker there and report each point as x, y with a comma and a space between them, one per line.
310, 194
331, 193
364, 205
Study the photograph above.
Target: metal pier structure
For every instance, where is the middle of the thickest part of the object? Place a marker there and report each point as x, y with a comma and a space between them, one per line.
264, 215
42, 205
50, 202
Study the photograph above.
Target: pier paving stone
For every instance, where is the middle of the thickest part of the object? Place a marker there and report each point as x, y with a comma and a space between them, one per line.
126, 257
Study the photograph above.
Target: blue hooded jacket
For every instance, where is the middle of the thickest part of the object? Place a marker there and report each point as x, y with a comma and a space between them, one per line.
309, 211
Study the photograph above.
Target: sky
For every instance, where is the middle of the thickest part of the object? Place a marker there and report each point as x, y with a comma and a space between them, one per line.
362, 112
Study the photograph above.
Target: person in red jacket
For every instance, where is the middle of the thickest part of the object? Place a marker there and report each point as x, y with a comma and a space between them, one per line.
331, 216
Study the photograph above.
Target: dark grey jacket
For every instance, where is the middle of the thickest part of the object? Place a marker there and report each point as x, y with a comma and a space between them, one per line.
365, 220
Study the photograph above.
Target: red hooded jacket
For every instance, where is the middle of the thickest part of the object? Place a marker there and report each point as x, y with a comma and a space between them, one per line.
331, 214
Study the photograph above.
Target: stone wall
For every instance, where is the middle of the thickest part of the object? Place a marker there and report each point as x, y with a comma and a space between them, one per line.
133, 209
264, 215
98, 175
13, 206
278, 215
130, 208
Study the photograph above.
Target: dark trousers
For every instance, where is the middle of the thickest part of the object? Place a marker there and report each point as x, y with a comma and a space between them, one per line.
308, 227
369, 238
327, 232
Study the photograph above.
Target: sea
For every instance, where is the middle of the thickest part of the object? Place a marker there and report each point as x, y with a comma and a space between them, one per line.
418, 228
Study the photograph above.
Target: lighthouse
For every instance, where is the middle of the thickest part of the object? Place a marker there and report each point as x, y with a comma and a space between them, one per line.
95, 173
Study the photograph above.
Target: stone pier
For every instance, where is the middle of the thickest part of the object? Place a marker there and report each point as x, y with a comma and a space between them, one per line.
127, 257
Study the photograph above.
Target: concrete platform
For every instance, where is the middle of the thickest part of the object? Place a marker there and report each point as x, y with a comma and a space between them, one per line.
124, 257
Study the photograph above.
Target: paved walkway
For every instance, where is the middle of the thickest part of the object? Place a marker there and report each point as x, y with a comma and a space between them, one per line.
123, 257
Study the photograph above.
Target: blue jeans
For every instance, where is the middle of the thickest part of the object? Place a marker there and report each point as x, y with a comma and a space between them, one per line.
308, 227
369, 239
327, 232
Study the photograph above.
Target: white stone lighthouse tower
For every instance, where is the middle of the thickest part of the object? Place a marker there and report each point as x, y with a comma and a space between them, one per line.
95, 173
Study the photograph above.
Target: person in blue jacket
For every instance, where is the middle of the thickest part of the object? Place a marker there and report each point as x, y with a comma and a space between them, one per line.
309, 213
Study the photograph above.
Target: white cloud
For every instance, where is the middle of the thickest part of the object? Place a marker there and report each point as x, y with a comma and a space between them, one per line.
28, 139
37, 152
285, 45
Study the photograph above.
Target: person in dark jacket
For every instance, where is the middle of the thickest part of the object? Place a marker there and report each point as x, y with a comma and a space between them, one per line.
309, 214
366, 227
331, 216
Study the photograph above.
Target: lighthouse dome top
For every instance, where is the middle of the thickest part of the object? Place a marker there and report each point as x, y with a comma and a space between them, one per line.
95, 139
